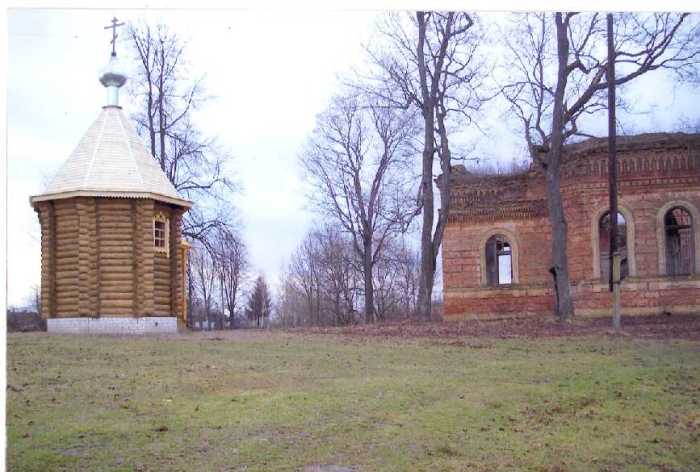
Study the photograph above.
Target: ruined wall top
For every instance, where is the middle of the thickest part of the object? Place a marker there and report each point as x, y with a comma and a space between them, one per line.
643, 160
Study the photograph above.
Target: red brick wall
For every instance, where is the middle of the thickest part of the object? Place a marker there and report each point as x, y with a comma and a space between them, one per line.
642, 195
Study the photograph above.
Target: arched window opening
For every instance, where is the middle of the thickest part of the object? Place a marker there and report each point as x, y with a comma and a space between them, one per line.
680, 253
604, 245
499, 261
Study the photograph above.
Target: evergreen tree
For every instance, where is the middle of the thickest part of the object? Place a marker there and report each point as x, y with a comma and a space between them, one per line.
259, 304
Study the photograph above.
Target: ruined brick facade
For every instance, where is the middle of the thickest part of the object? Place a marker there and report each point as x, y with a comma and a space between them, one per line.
658, 173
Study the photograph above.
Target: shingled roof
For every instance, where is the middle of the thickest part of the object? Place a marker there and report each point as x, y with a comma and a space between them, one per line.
111, 160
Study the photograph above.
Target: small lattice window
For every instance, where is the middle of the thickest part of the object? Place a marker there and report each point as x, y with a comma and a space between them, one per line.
161, 233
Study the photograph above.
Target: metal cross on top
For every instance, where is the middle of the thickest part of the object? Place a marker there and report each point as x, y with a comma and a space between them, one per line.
114, 27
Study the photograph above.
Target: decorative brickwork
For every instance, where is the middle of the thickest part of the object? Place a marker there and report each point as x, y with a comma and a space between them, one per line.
657, 172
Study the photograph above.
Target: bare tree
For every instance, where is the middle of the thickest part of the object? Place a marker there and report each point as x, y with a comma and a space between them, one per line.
323, 285
322, 282
203, 283
558, 66
167, 96
353, 158
430, 63
304, 278
397, 281
231, 259
341, 276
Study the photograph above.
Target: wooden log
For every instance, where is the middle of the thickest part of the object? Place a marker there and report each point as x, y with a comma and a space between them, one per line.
112, 257
121, 216
116, 226
125, 282
109, 276
66, 215
112, 304
68, 286
114, 254
114, 267
109, 232
66, 259
116, 287
66, 305
67, 256
67, 276
123, 249
109, 297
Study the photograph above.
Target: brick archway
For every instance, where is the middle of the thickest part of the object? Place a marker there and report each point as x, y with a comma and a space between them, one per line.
515, 253
661, 236
631, 237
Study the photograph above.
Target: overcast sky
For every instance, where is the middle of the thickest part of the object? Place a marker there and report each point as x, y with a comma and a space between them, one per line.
270, 73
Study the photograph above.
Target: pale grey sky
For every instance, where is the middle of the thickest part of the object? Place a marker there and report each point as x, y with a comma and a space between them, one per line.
271, 73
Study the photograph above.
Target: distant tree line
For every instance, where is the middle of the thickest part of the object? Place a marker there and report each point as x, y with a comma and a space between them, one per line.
324, 283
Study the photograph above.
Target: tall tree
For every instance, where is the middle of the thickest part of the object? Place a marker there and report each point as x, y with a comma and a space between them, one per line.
430, 62
203, 282
557, 68
231, 259
166, 96
353, 158
260, 304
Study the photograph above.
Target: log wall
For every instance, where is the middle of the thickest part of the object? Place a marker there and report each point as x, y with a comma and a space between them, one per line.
66, 258
116, 257
98, 259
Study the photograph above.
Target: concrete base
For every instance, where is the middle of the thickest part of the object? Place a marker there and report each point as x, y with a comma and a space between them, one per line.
107, 325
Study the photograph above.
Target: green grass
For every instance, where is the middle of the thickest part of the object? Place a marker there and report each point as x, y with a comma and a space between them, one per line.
279, 401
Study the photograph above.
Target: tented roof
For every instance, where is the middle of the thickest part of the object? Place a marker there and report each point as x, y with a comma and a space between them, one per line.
111, 160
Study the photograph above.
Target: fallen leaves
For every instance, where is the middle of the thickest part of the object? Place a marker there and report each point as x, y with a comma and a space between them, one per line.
644, 326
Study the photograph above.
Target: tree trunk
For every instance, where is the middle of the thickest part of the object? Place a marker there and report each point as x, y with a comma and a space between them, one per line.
161, 108
560, 265
557, 220
427, 266
369, 283
427, 263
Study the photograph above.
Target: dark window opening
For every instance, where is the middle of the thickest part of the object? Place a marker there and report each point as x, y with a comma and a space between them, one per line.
604, 245
499, 261
680, 253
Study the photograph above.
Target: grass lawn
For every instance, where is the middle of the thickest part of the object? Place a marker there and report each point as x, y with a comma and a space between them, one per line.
281, 401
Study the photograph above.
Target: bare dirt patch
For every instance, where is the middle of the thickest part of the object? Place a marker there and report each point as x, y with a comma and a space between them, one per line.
647, 326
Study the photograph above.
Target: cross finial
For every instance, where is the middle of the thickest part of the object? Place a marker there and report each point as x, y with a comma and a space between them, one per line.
114, 27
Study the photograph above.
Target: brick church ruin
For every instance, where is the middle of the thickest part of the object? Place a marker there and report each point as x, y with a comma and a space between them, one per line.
112, 255
497, 244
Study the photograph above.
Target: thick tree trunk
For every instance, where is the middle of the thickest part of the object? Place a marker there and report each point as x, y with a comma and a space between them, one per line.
560, 264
